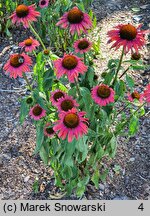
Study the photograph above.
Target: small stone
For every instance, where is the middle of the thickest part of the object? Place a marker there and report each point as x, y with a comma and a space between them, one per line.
145, 6
101, 187
26, 179
132, 159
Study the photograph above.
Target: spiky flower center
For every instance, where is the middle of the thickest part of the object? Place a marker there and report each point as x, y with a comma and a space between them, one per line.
22, 11
43, 2
75, 16
67, 105
49, 130
135, 95
136, 56
83, 44
69, 62
71, 120
128, 32
37, 111
58, 95
16, 60
103, 91
28, 42
46, 52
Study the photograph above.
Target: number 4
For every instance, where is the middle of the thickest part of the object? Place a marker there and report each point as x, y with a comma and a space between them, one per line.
141, 207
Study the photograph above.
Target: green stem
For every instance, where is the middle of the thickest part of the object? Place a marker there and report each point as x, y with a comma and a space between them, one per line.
124, 108
84, 58
34, 53
27, 81
119, 65
124, 73
38, 37
78, 89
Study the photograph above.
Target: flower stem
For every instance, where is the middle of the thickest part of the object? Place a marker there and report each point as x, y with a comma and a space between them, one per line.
124, 73
78, 89
34, 53
27, 81
123, 109
119, 65
84, 58
38, 37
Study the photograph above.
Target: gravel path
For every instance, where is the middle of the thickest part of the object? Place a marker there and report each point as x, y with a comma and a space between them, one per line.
19, 168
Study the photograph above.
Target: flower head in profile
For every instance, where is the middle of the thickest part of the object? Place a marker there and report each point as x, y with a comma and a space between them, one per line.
24, 14
29, 44
48, 130
37, 112
18, 64
76, 21
43, 3
136, 56
135, 95
69, 65
103, 95
46, 52
67, 103
56, 95
146, 93
72, 124
128, 36
82, 45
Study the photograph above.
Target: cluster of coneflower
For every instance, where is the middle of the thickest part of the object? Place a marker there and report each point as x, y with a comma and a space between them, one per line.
72, 122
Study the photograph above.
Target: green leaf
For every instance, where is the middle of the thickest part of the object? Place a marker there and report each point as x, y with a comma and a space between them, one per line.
44, 155
104, 175
86, 96
113, 145
95, 178
133, 125
90, 75
82, 149
113, 63
39, 137
138, 67
109, 77
24, 110
39, 99
120, 88
130, 81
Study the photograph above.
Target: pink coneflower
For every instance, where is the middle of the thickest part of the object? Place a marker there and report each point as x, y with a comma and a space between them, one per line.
82, 45
71, 123
146, 93
43, 3
37, 112
48, 130
66, 103
76, 20
135, 95
128, 36
56, 95
103, 95
17, 64
30, 44
70, 65
24, 14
